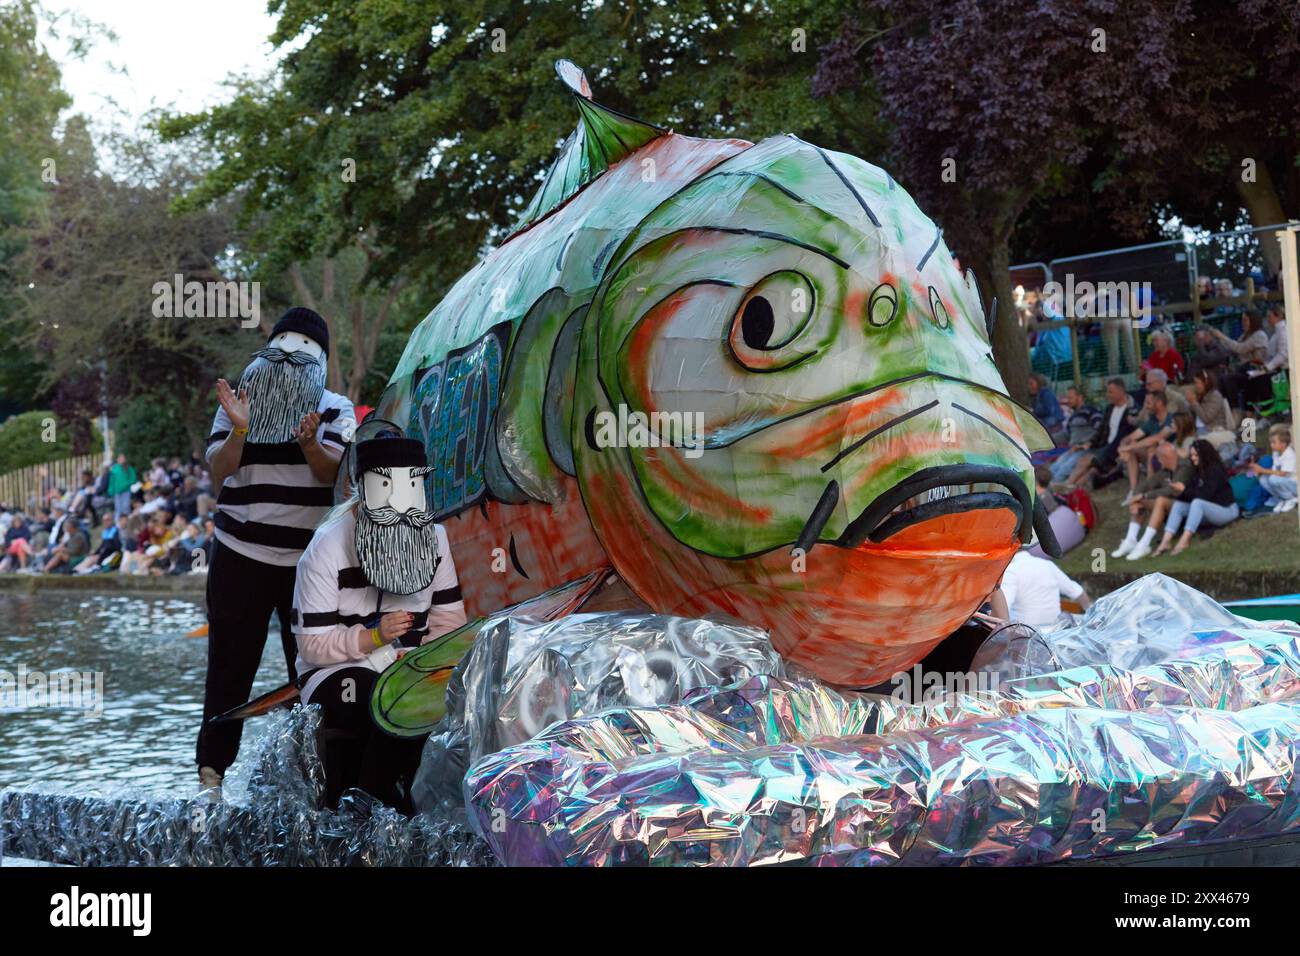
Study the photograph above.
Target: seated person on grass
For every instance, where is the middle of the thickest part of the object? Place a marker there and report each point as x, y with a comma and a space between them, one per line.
1164, 356
110, 543
1155, 495
1278, 480
1209, 354
1212, 409
18, 544
1154, 427
1206, 496
1156, 380
1116, 423
1045, 405
1082, 430
67, 552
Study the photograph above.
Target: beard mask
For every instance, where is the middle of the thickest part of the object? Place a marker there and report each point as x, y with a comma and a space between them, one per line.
395, 538
282, 387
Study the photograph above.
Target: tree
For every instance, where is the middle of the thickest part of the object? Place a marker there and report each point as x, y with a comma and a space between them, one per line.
360, 315
994, 103
31, 98
425, 127
1219, 128
34, 438
87, 277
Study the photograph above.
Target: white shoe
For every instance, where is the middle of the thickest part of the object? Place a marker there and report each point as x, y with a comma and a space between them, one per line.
1128, 498
1125, 546
1140, 551
1287, 505
210, 784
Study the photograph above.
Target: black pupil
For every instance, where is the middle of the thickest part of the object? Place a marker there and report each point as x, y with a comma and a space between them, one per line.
757, 323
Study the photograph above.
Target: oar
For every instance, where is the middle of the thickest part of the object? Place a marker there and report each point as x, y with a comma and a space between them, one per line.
280, 697
200, 631
548, 606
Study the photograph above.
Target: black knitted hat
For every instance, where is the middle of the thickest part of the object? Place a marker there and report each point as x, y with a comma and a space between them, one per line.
307, 322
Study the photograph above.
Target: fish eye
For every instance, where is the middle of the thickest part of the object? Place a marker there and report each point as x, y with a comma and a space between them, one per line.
757, 322
938, 310
882, 306
773, 315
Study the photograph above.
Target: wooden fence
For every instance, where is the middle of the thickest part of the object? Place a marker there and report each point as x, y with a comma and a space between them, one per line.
24, 487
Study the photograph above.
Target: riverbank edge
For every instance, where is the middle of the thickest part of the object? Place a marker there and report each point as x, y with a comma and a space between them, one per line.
189, 584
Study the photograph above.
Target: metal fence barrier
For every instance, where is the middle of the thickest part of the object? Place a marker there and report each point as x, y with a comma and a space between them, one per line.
1175, 285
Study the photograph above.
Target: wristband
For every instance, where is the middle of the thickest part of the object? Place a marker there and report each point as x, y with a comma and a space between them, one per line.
374, 636
241, 432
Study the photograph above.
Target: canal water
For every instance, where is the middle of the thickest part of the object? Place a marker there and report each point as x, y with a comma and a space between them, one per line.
140, 735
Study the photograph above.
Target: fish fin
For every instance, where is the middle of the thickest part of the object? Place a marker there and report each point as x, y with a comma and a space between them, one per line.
410, 697
1036, 436
602, 138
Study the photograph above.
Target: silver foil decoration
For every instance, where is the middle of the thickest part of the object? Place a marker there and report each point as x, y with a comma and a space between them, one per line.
1089, 762
279, 824
523, 675
1152, 619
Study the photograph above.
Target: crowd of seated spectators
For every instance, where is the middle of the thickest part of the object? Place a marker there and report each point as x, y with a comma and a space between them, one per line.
115, 522
1178, 438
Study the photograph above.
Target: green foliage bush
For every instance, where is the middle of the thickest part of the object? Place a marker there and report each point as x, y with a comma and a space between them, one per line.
22, 440
148, 428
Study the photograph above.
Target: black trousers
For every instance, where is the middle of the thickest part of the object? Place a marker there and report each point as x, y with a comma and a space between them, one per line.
1241, 389
355, 752
242, 596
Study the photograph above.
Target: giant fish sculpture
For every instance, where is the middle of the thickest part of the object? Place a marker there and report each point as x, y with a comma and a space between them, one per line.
748, 377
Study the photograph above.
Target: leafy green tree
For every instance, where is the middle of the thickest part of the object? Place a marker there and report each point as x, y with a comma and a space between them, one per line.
151, 426
36, 437
31, 99
425, 126
87, 275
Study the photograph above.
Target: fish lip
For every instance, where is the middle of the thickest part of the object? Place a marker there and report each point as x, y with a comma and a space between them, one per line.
877, 523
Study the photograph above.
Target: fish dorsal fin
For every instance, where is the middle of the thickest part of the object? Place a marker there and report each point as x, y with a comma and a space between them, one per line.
603, 137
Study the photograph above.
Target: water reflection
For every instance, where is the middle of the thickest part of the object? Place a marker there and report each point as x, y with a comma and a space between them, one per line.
153, 691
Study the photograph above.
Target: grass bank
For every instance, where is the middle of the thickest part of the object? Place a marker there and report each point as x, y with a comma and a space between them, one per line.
1252, 557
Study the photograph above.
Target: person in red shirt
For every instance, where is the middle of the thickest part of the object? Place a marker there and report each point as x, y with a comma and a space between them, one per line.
1165, 357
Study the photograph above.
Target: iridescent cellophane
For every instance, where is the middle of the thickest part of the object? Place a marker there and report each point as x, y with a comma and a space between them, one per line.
1190, 741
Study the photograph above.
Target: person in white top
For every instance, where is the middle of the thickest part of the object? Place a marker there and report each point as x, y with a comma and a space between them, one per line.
1276, 355
377, 577
1032, 589
1279, 480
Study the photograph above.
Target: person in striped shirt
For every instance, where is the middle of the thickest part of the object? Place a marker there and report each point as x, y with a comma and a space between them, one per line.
377, 577
274, 452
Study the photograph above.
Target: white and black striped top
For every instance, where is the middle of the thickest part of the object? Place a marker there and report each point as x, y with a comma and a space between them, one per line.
269, 507
333, 603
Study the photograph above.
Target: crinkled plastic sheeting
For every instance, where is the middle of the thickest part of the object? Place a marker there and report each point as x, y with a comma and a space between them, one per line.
1152, 619
523, 675
279, 825
1085, 763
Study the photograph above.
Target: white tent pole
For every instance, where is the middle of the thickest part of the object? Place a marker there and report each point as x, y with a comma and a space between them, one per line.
1291, 298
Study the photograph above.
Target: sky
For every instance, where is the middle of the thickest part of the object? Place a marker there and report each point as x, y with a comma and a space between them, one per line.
174, 52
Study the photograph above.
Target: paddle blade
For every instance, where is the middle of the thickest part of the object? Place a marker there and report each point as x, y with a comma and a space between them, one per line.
280, 697
411, 696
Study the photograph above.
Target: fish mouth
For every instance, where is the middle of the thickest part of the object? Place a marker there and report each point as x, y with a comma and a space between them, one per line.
932, 493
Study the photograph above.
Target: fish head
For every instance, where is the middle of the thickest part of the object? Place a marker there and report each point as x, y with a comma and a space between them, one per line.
787, 408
